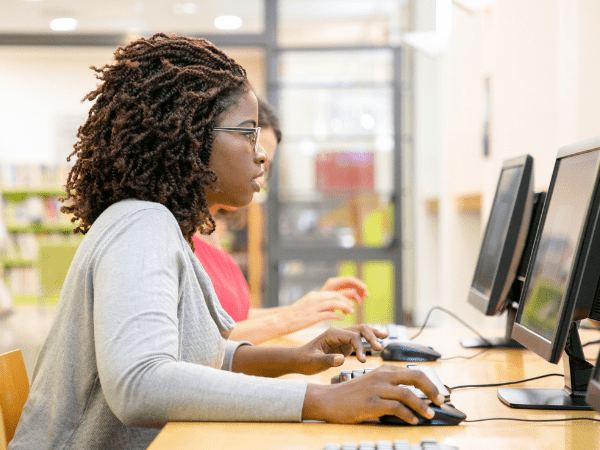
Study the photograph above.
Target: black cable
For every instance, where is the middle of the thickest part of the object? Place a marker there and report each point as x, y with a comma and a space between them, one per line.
450, 313
566, 419
591, 343
465, 386
466, 357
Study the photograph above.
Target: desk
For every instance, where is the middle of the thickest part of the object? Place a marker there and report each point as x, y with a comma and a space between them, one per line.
489, 367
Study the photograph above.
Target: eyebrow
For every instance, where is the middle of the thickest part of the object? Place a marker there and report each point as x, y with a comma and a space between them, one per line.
251, 122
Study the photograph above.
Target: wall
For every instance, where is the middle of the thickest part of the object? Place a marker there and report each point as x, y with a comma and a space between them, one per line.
40, 97
40, 91
542, 63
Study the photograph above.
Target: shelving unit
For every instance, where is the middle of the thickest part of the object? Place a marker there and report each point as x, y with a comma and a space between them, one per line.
40, 239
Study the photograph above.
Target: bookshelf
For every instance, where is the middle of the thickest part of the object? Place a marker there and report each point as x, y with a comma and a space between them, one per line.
39, 241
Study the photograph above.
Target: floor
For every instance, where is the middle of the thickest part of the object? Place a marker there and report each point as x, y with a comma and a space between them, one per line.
25, 329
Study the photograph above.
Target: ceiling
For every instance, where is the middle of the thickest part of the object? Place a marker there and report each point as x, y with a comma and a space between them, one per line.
181, 16
127, 16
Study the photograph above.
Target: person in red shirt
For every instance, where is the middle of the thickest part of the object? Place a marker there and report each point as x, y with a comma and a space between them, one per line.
337, 297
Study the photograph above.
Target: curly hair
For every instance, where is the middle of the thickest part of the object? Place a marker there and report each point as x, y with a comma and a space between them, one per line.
148, 136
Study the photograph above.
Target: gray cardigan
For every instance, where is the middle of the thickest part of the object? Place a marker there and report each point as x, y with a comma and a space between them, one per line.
138, 339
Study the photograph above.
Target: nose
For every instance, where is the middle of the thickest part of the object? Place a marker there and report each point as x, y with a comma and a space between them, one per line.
261, 156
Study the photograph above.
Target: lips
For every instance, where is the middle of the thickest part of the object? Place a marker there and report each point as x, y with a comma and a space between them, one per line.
259, 180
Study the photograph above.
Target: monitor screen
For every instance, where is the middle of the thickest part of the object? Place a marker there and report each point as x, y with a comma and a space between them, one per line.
553, 285
505, 236
491, 249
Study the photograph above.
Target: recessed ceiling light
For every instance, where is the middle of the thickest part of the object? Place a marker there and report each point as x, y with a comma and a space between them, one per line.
185, 8
63, 24
228, 22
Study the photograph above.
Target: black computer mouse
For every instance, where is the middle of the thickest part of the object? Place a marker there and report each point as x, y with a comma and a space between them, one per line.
445, 414
408, 351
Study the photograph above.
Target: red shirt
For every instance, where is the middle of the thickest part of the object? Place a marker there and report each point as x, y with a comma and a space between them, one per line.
227, 278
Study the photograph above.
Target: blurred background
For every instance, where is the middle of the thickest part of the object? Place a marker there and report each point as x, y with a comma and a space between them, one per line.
396, 118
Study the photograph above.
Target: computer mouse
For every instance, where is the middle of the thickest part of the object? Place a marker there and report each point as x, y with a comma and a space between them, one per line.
445, 414
408, 351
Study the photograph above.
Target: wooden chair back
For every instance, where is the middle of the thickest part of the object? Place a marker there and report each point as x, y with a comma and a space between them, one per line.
14, 389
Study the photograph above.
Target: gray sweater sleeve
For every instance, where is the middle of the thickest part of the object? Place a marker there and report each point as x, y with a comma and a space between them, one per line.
140, 281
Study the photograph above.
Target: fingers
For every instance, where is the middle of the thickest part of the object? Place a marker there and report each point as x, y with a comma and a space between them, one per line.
398, 409
334, 301
338, 283
325, 301
350, 294
417, 379
354, 339
338, 340
405, 400
370, 334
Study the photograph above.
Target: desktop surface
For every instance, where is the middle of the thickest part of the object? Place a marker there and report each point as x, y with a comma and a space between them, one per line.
491, 366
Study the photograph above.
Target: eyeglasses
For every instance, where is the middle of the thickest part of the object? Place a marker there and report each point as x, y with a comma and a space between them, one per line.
252, 134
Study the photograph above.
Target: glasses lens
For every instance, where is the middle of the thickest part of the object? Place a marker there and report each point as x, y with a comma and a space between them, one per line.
255, 136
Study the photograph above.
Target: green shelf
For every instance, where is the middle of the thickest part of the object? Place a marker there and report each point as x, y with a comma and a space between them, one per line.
18, 195
40, 228
17, 262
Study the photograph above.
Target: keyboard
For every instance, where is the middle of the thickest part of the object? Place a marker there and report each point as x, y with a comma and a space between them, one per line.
426, 444
395, 333
346, 375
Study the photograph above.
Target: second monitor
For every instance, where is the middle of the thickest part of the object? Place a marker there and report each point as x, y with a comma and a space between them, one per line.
506, 247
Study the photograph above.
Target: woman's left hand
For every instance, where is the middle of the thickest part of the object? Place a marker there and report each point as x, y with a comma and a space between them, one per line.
331, 348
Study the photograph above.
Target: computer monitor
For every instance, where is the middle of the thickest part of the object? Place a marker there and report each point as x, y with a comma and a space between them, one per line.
561, 285
592, 397
496, 285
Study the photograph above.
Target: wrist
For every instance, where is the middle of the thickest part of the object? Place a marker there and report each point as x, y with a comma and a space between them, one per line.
315, 401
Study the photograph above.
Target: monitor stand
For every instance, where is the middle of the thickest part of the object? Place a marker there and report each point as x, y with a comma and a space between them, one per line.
572, 397
503, 342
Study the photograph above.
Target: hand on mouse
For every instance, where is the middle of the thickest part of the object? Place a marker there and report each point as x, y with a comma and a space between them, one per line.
371, 396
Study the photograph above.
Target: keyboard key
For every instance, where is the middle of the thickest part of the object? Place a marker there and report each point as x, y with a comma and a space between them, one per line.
426, 444
401, 445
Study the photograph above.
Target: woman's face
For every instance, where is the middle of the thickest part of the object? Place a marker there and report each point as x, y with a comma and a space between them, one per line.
240, 170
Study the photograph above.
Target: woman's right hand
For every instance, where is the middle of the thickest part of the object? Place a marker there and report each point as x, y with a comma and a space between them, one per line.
374, 394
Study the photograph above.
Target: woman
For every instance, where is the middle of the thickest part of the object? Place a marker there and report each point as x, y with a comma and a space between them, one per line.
139, 337
257, 325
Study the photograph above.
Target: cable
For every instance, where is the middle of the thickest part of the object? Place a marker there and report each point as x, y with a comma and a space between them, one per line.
505, 383
566, 419
465, 357
591, 343
450, 313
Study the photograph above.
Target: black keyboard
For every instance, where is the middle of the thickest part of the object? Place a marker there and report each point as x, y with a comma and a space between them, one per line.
426, 444
346, 375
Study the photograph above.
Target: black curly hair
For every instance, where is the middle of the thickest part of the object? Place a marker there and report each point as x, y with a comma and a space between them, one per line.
148, 136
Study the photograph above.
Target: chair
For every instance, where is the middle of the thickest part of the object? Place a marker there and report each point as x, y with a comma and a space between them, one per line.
3, 443
14, 389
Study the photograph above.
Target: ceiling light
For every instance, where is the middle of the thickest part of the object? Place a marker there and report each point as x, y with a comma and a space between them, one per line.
367, 121
185, 8
228, 22
63, 24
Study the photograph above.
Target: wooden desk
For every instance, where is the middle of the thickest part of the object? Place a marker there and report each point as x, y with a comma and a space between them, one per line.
489, 367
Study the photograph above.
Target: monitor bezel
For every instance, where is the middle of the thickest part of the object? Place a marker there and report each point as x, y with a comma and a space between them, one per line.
514, 241
581, 281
